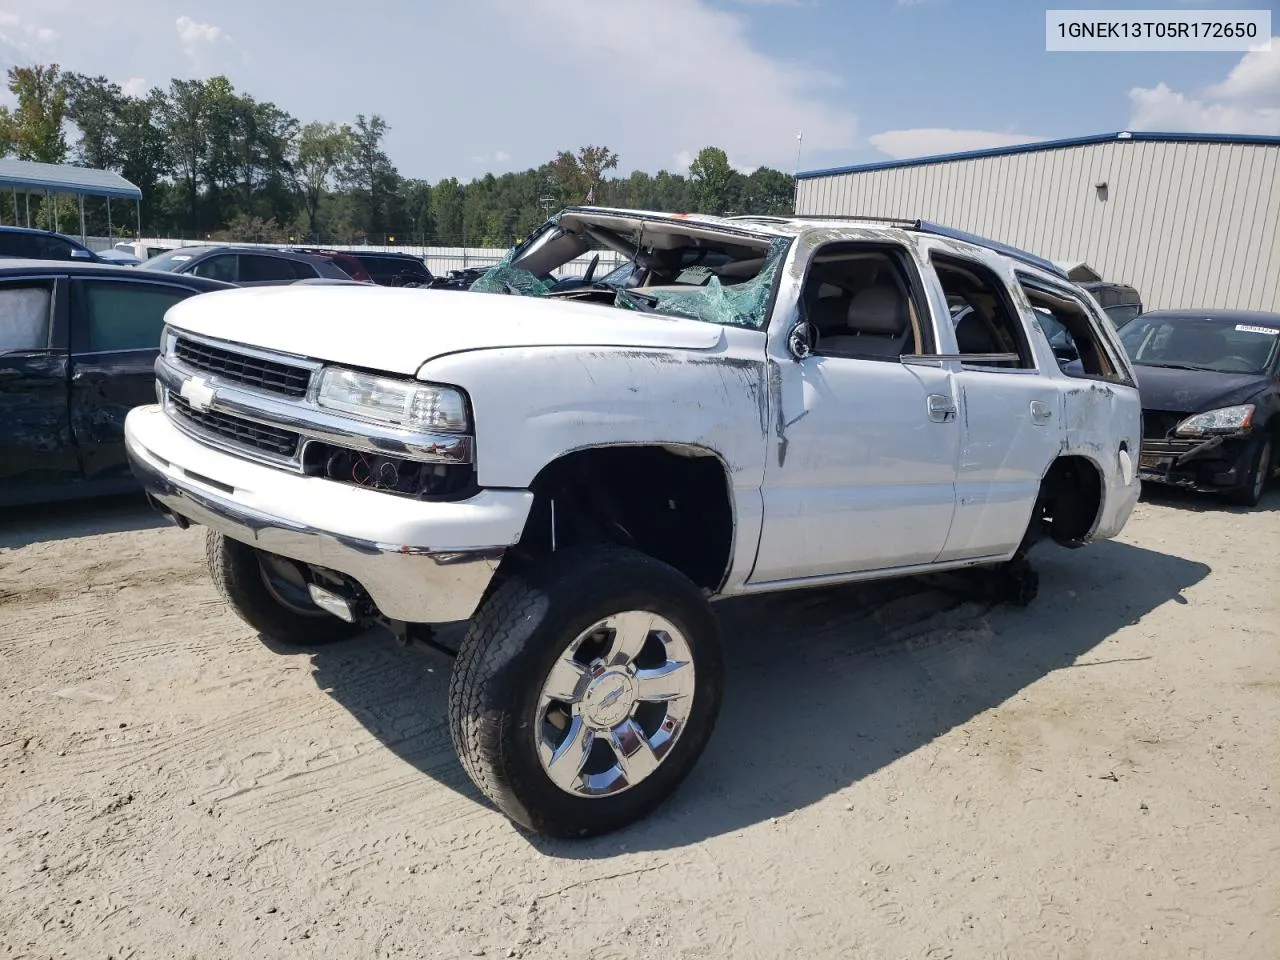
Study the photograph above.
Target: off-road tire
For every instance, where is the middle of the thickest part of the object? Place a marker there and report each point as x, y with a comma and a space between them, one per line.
1261, 464
239, 580
515, 637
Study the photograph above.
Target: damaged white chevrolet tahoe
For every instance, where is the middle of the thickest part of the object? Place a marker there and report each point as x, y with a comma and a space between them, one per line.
755, 404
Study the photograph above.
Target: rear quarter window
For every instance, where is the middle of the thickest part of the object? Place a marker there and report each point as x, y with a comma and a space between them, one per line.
24, 317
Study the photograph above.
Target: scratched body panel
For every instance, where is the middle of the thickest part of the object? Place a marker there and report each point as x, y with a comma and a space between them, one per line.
551, 401
35, 436
104, 388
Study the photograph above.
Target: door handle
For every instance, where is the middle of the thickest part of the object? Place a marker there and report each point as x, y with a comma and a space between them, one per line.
1041, 412
941, 409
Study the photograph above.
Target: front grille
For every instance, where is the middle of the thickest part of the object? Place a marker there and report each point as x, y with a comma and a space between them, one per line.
1158, 424
236, 430
270, 375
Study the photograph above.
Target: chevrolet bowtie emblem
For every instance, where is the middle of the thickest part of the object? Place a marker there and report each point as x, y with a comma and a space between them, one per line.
198, 393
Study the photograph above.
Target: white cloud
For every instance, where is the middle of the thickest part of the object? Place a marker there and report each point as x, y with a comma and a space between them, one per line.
497, 158
927, 141
1254, 80
25, 37
203, 43
1247, 101
134, 87
701, 82
192, 33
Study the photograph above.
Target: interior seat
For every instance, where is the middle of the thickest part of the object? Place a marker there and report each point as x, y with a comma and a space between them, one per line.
877, 323
973, 334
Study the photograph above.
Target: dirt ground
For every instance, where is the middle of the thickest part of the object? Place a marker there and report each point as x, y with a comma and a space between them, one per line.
897, 773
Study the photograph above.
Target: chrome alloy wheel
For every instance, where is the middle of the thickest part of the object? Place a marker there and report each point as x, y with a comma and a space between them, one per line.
614, 704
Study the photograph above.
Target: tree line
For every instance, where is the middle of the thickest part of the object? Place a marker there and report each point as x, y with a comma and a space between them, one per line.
216, 162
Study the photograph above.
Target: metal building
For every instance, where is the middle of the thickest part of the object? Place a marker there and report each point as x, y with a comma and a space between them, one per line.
1190, 220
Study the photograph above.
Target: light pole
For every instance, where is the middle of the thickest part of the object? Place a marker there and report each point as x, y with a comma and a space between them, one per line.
795, 198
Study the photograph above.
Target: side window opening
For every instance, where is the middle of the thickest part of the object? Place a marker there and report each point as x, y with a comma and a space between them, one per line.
127, 316
24, 318
863, 304
222, 267
984, 319
257, 268
1070, 329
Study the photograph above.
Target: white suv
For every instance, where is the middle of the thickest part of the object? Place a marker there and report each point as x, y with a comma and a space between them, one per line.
764, 404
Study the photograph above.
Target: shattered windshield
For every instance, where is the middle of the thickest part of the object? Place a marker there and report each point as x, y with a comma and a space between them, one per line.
672, 268
502, 277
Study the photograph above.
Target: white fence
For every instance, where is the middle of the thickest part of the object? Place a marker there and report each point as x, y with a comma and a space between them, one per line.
439, 260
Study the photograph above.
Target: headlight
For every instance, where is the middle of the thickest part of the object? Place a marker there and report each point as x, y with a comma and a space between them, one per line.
405, 403
167, 339
1224, 420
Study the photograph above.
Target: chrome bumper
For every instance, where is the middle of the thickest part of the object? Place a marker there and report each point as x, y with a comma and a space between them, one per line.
419, 562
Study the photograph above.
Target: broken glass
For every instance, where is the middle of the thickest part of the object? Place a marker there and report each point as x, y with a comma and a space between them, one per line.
504, 278
739, 305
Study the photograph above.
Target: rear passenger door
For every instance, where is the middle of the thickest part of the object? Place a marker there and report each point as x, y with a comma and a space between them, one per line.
1011, 413
116, 328
36, 449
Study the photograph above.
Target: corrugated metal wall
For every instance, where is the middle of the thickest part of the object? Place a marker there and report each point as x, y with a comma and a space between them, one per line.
1188, 224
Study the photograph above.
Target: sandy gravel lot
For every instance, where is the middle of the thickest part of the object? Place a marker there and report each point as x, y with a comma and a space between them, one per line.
897, 773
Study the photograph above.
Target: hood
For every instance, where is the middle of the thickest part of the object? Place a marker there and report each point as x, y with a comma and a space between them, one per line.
1194, 391
397, 330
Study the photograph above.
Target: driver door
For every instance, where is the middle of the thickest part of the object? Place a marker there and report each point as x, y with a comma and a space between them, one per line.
862, 476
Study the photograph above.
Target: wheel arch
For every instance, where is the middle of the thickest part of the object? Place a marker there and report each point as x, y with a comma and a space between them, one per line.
616, 492
1071, 500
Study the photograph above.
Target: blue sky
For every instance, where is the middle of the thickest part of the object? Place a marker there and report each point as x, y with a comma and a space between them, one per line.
495, 85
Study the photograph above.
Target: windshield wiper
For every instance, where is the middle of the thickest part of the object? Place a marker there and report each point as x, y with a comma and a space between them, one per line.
1177, 366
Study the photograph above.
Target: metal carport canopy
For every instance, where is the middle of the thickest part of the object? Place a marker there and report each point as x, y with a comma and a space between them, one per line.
26, 175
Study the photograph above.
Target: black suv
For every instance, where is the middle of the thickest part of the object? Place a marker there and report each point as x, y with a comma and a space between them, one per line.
394, 269
43, 245
246, 266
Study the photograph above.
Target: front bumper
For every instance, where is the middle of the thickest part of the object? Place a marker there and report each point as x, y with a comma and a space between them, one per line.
1207, 465
421, 562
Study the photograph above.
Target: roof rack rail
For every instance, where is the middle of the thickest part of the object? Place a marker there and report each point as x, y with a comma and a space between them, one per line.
934, 229
1014, 253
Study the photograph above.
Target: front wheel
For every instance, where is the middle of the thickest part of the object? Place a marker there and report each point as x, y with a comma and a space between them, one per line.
586, 690
1260, 467
269, 593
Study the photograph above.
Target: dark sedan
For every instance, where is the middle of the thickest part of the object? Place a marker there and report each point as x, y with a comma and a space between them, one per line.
78, 345
1210, 384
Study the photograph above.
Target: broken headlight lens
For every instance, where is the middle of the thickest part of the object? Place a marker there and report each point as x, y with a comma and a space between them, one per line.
1223, 420
404, 403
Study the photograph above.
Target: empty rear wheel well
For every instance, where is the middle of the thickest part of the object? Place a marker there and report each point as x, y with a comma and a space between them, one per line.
1069, 501
672, 503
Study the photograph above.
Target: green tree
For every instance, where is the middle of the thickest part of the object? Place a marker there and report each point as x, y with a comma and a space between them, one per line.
321, 150
183, 114
712, 178
768, 191
36, 124
369, 174
415, 210
578, 175
448, 198
94, 105
7, 141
